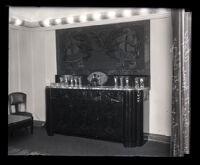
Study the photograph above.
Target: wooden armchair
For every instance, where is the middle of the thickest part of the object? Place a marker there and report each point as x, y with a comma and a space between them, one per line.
17, 99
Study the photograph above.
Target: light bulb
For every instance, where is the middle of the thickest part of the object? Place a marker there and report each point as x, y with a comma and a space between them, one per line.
70, 19
127, 13
58, 21
97, 16
83, 18
18, 22
111, 14
143, 11
46, 23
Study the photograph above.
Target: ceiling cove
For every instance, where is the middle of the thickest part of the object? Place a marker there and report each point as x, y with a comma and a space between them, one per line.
33, 17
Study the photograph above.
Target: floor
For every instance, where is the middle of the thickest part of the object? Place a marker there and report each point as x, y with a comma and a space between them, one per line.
23, 143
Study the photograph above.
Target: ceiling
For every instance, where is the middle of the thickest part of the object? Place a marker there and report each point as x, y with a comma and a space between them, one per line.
33, 14
47, 16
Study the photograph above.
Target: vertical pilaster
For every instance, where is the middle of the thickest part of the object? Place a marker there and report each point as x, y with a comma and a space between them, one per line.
133, 118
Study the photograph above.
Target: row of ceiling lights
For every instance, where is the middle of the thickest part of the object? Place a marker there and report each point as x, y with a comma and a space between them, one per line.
85, 18
88, 17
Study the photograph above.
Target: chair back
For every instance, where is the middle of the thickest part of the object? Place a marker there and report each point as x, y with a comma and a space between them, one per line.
15, 99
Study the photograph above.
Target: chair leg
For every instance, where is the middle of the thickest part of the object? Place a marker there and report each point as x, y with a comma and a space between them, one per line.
32, 129
32, 126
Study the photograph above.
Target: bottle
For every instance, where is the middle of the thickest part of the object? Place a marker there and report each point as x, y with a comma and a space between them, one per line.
79, 81
75, 81
115, 81
71, 82
61, 79
141, 83
121, 82
137, 83
66, 81
127, 82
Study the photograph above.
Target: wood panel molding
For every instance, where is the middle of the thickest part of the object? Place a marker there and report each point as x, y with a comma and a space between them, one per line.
157, 138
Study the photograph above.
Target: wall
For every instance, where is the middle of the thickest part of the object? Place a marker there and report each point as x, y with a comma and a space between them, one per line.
14, 61
33, 65
161, 77
20, 64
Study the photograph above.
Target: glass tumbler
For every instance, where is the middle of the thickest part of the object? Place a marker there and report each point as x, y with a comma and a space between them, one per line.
115, 81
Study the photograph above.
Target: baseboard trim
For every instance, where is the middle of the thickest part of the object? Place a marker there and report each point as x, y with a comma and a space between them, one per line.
38, 123
147, 136
157, 138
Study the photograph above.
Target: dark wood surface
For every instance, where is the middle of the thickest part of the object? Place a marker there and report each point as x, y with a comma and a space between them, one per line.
100, 114
17, 121
13, 119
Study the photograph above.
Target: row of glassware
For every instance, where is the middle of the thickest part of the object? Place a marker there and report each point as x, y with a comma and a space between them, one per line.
68, 81
76, 81
119, 82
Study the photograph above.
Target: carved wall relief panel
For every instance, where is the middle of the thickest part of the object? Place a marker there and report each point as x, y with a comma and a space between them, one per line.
121, 48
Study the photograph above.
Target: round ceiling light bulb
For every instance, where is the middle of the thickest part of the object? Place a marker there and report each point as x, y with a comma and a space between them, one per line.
46, 23
83, 18
58, 21
18, 22
97, 16
127, 13
111, 14
70, 19
144, 11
